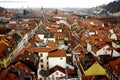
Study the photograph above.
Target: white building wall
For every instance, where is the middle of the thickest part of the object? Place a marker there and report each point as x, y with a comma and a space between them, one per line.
41, 36
115, 45
56, 75
21, 45
53, 61
25, 38
102, 51
89, 47
115, 53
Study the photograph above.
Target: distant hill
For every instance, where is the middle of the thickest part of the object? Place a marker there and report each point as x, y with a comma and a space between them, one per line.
2, 9
113, 7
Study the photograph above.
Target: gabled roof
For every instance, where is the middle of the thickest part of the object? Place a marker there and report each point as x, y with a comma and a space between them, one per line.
26, 56
57, 53
36, 49
22, 67
87, 61
70, 72
8, 75
95, 69
55, 68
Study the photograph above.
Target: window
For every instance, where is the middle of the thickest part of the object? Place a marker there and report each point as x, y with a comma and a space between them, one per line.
41, 55
41, 60
41, 66
61, 58
57, 73
52, 77
47, 57
47, 67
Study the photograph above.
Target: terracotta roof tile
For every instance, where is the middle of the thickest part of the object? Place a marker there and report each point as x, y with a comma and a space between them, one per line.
59, 36
89, 78
57, 53
70, 72
2, 48
113, 68
51, 44
52, 30
5, 73
55, 68
36, 49
80, 56
12, 76
23, 68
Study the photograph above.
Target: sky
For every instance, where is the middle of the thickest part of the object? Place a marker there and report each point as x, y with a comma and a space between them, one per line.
52, 3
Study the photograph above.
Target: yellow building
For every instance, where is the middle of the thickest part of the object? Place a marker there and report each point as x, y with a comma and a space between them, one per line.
5, 58
95, 69
89, 66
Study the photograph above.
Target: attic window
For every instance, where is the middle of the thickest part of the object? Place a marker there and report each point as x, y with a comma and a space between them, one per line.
57, 73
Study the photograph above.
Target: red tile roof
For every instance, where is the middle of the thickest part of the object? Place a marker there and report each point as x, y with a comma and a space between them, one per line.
2, 48
70, 72
113, 68
36, 49
55, 68
59, 36
89, 78
23, 68
5, 73
52, 30
13, 76
57, 53
51, 44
